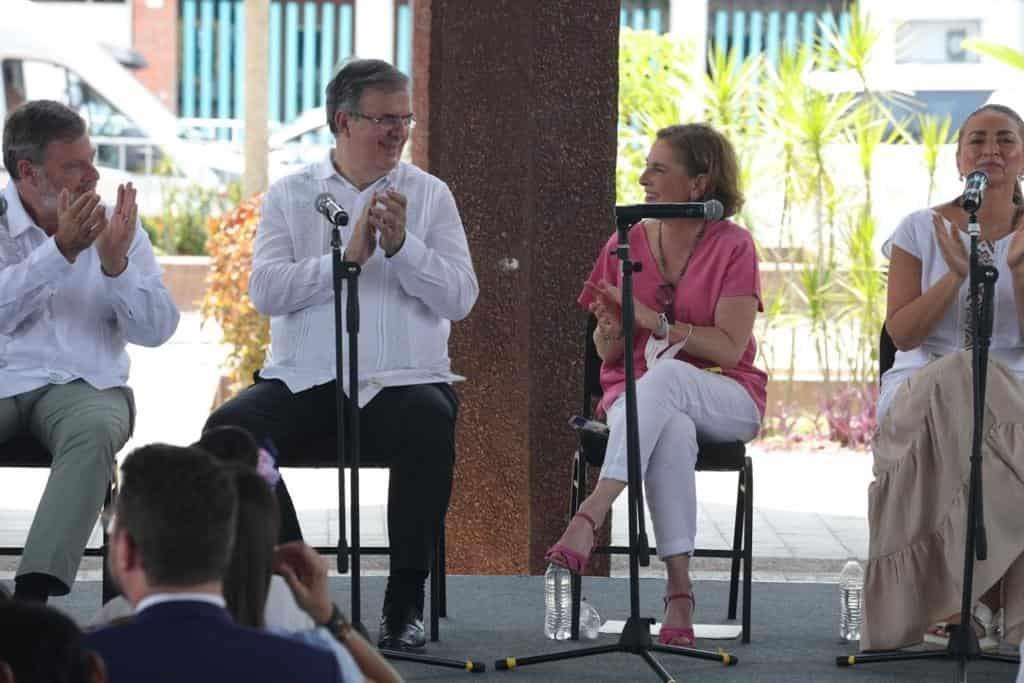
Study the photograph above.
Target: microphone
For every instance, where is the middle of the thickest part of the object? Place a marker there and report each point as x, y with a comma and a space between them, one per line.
974, 191
711, 210
3, 206
330, 210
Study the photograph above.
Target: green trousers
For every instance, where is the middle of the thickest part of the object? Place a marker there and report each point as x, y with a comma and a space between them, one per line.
83, 428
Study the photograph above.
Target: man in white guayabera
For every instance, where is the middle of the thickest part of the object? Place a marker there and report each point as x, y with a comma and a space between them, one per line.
417, 277
78, 281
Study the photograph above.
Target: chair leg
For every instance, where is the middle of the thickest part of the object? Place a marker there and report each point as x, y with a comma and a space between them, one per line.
437, 581
577, 494
737, 539
748, 553
108, 590
442, 559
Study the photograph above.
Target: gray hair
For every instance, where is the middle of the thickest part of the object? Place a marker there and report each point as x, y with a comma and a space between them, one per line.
34, 125
355, 76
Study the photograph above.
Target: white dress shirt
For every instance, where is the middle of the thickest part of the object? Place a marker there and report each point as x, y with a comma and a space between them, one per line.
407, 302
63, 321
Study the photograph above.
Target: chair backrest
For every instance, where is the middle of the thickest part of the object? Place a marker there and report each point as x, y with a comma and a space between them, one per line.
886, 353
592, 390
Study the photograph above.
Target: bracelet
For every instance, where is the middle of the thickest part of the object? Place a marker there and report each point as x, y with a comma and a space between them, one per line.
337, 624
687, 337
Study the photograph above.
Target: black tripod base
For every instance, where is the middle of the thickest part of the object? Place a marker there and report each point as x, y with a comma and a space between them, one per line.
466, 665
962, 648
635, 640
900, 656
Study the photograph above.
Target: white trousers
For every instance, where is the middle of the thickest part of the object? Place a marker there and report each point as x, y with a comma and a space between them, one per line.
677, 403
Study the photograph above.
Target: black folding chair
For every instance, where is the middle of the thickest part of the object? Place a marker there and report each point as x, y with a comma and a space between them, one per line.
711, 457
25, 451
321, 453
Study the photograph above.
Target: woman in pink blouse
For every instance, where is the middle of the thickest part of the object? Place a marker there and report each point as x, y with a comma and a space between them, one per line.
696, 298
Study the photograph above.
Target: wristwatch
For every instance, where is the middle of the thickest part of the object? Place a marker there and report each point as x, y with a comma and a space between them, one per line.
663, 326
338, 624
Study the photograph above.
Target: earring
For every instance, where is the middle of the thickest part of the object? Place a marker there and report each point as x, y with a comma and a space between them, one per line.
961, 177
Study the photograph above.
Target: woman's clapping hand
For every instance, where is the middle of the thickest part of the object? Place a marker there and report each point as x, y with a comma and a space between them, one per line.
953, 251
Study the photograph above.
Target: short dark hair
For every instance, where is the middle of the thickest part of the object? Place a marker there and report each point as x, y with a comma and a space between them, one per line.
41, 644
247, 581
228, 443
702, 149
34, 125
179, 506
353, 78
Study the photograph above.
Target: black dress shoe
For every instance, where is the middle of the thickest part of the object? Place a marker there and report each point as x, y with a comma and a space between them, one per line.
402, 630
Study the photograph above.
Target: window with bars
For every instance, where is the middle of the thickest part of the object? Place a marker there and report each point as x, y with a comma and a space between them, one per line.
644, 15
307, 39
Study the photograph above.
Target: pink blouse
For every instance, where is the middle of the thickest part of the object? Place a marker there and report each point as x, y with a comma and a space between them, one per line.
724, 264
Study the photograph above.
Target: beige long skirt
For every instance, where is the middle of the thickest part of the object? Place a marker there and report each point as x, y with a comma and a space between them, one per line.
917, 504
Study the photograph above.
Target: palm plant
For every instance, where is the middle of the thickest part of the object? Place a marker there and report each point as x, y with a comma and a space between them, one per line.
652, 74
935, 134
1007, 55
814, 288
729, 93
783, 98
861, 297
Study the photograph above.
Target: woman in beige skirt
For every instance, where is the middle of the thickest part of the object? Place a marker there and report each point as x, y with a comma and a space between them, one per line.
917, 504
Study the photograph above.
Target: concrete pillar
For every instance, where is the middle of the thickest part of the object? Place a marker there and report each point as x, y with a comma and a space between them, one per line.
257, 22
375, 29
518, 104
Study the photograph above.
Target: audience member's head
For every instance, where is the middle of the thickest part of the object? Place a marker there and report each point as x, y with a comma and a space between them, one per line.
38, 644
174, 522
248, 578
229, 444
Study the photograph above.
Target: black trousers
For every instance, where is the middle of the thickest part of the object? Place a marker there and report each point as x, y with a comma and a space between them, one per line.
409, 429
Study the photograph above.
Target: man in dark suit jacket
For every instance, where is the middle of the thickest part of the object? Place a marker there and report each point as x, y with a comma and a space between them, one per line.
170, 542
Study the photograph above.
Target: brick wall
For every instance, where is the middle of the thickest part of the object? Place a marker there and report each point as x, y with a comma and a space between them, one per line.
155, 36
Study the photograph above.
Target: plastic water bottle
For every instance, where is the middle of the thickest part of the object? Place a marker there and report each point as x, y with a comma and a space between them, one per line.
590, 621
557, 607
851, 601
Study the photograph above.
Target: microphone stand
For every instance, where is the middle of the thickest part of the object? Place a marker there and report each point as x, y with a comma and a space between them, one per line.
636, 634
348, 420
963, 641
348, 440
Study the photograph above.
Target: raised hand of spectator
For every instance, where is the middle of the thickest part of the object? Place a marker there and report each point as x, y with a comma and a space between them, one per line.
305, 572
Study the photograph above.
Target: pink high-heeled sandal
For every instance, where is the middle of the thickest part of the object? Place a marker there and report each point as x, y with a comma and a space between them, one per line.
564, 556
668, 635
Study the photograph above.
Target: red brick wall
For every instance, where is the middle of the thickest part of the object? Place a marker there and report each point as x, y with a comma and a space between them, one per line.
155, 36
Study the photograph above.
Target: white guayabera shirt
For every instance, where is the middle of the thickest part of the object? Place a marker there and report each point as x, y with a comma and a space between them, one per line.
407, 302
62, 321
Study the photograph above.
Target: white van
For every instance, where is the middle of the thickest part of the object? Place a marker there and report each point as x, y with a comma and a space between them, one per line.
136, 137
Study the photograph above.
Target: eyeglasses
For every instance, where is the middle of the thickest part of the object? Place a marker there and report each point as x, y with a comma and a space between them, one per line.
388, 120
666, 297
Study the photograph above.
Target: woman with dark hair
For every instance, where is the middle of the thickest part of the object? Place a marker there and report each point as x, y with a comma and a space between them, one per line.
917, 502
697, 295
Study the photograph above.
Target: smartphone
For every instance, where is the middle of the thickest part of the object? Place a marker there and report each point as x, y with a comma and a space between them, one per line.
582, 424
